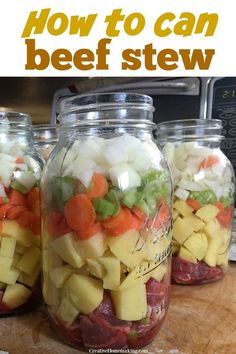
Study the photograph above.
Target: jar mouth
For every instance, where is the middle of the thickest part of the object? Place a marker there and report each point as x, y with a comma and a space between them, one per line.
11, 120
189, 129
44, 133
107, 108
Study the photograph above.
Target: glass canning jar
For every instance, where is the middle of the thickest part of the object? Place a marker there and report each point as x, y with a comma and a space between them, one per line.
20, 254
203, 206
45, 138
106, 218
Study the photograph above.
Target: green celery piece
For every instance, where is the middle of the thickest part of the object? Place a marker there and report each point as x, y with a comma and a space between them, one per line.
141, 204
131, 197
67, 186
204, 197
227, 201
114, 197
19, 187
104, 207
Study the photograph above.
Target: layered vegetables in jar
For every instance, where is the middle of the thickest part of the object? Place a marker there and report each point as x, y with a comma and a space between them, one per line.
20, 253
106, 241
203, 212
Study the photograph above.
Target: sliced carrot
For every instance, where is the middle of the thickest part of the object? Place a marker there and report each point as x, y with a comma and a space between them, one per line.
91, 231
4, 210
209, 162
56, 224
25, 219
99, 187
220, 206
79, 212
137, 223
0, 227
193, 203
163, 215
15, 211
19, 160
119, 224
225, 217
36, 225
139, 213
16, 198
33, 200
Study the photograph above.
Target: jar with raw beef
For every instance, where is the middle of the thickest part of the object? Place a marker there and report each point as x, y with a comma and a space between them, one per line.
20, 252
45, 137
203, 206
106, 220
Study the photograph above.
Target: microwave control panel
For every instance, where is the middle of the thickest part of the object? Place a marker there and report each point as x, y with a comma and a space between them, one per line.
224, 108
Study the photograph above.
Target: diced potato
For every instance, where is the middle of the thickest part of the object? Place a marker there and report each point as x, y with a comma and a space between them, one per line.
159, 272
222, 259
60, 275
9, 276
182, 207
67, 312
5, 262
210, 258
93, 247
213, 229
111, 279
29, 260
16, 258
196, 223
30, 280
197, 245
207, 212
24, 236
50, 259
65, 246
3, 286
181, 230
16, 295
51, 293
155, 245
136, 276
186, 255
129, 248
8, 245
175, 214
85, 292
96, 268
130, 304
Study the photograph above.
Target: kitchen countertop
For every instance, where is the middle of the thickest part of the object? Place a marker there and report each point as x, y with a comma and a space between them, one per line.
201, 320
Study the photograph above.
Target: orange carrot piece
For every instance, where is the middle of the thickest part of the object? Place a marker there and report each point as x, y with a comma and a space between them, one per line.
139, 213
25, 219
209, 162
225, 217
56, 224
163, 215
16, 198
4, 210
0, 227
120, 223
15, 211
193, 203
19, 160
79, 212
91, 231
33, 200
36, 225
220, 206
99, 187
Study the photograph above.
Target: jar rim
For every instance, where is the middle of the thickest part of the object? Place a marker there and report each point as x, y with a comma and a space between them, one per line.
107, 100
189, 123
13, 117
45, 132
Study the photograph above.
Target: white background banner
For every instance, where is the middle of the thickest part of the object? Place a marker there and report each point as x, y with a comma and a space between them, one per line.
141, 38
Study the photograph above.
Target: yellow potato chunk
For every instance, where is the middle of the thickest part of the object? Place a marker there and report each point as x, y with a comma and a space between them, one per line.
213, 229
28, 262
197, 244
86, 293
24, 236
111, 279
67, 311
60, 275
16, 295
207, 213
196, 223
8, 245
182, 207
130, 304
159, 272
181, 230
31, 279
186, 255
9, 276
96, 268
93, 247
6, 263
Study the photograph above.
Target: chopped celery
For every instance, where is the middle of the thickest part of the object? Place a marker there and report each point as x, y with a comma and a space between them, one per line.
19, 187
114, 197
227, 201
131, 197
104, 208
143, 206
66, 185
204, 197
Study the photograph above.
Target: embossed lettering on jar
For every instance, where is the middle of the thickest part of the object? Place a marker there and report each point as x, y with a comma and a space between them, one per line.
203, 206
106, 209
20, 253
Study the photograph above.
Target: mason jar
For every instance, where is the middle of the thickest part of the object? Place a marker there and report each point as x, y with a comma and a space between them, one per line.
20, 252
45, 138
204, 185
106, 220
